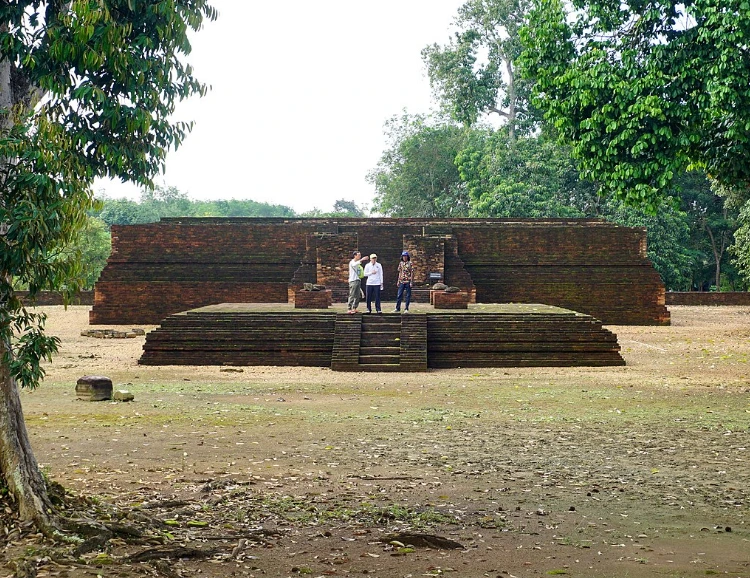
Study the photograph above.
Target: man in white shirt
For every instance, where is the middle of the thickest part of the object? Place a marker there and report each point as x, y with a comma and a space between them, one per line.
355, 281
374, 274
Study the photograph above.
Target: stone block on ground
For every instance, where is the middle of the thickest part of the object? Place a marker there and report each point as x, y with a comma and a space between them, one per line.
94, 388
112, 333
123, 395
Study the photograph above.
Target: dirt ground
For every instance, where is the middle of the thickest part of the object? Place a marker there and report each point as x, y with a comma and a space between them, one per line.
642, 470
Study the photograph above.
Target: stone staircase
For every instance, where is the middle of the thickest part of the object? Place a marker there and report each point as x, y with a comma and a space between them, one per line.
380, 342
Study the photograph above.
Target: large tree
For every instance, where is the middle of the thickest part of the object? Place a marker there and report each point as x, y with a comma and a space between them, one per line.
643, 90
535, 177
713, 222
528, 177
417, 174
475, 72
87, 89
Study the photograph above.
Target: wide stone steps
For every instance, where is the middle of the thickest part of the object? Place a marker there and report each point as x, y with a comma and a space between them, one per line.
201, 338
380, 359
529, 340
385, 342
379, 350
381, 332
380, 342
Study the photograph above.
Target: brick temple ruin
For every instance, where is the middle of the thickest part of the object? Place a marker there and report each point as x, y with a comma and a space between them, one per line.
228, 292
178, 264
507, 335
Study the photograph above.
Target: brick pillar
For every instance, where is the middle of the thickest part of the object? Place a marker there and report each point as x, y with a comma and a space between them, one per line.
428, 256
333, 256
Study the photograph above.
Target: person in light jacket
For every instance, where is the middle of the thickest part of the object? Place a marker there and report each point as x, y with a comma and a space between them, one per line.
355, 281
374, 274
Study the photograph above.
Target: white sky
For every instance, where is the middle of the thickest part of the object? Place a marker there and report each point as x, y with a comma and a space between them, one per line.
300, 92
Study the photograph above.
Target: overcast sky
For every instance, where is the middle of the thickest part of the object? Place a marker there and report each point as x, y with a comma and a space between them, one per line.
300, 92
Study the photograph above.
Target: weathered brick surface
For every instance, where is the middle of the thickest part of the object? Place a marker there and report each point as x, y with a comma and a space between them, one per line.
525, 340
428, 256
150, 302
708, 298
455, 270
206, 338
332, 257
178, 264
381, 342
443, 300
312, 299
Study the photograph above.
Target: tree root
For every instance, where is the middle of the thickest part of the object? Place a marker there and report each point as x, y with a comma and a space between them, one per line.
173, 552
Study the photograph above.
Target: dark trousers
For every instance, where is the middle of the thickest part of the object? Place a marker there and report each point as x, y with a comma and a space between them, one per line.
404, 292
373, 291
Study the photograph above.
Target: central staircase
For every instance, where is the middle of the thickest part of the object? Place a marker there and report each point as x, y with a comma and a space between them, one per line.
380, 342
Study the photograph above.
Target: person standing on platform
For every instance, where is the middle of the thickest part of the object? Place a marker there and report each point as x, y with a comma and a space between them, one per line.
374, 274
405, 282
356, 273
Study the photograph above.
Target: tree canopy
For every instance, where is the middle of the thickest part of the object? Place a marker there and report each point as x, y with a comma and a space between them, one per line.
475, 72
417, 175
643, 91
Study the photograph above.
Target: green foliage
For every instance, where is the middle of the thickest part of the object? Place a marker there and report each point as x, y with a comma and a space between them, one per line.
534, 177
491, 175
125, 212
417, 175
712, 222
475, 73
110, 73
93, 245
667, 238
341, 208
42, 211
741, 248
529, 177
238, 208
643, 91
346, 208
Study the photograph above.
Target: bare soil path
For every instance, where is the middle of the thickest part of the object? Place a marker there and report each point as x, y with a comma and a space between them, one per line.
642, 470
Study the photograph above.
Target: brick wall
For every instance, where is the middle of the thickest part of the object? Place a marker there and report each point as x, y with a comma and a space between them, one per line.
708, 298
332, 257
150, 302
177, 264
428, 256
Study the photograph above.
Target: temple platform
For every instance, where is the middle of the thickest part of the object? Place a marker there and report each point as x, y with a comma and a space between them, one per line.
484, 335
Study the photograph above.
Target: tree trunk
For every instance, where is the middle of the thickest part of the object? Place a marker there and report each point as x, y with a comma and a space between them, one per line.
717, 257
718, 276
19, 470
511, 101
18, 466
